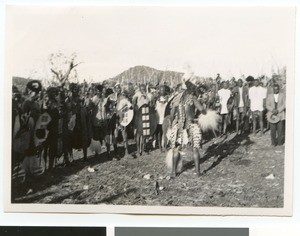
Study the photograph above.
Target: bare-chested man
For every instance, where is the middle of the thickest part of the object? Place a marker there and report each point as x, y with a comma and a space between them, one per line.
185, 128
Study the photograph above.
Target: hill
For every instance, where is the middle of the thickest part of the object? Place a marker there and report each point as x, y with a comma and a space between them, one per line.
145, 74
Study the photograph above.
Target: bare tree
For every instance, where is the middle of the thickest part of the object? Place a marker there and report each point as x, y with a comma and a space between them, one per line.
62, 66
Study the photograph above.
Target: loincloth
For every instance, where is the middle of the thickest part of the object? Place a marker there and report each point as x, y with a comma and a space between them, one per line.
191, 135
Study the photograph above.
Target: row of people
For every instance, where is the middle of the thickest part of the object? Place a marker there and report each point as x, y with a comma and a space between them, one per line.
63, 119
249, 103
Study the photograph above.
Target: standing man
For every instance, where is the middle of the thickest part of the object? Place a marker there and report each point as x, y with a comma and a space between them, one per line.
142, 119
240, 105
116, 98
54, 140
275, 104
160, 106
257, 94
99, 117
184, 128
224, 94
31, 110
79, 129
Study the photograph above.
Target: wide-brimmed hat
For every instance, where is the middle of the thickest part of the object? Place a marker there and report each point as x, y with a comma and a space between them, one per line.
272, 118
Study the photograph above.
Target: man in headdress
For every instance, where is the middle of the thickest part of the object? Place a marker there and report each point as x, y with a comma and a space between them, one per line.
16, 112
78, 126
114, 99
99, 116
16, 104
142, 118
32, 103
185, 130
31, 109
212, 97
54, 141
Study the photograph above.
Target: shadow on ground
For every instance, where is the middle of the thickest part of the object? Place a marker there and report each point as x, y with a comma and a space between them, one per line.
56, 176
220, 150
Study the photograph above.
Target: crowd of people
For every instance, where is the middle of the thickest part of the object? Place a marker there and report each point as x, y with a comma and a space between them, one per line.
51, 122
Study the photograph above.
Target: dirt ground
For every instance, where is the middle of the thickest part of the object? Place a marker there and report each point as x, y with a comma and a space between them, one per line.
238, 171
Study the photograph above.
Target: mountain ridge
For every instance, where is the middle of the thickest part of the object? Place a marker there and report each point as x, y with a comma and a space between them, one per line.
146, 74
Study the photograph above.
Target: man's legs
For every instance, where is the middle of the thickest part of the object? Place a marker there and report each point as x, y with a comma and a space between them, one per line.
273, 129
196, 156
107, 143
254, 117
159, 136
175, 159
246, 125
115, 134
261, 122
280, 130
66, 148
225, 117
124, 134
237, 121
52, 156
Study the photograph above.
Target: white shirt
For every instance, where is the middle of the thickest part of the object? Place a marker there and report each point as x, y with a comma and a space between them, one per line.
257, 96
160, 108
224, 95
241, 104
276, 97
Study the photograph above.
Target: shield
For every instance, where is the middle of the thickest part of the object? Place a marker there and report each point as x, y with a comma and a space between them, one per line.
41, 132
272, 118
146, 120
124, 112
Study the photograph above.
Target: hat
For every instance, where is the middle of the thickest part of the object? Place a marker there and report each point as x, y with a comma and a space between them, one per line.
34, 86
272, 118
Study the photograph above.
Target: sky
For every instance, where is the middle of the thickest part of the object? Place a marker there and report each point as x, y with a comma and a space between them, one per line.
108, 40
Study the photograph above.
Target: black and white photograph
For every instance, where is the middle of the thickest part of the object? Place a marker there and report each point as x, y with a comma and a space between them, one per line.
149, 109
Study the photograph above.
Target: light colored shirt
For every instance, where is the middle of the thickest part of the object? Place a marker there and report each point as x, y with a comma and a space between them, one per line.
257, 96
241, 104
224, 95
160, 108
276, 97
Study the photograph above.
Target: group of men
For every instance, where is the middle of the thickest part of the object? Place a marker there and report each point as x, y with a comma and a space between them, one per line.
250, 103
52, 123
